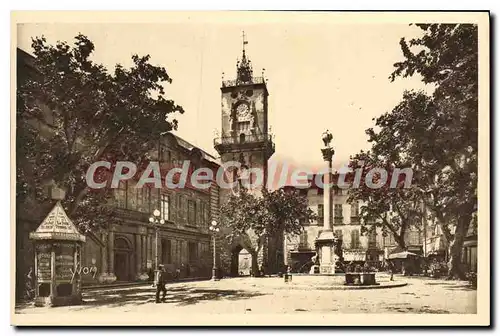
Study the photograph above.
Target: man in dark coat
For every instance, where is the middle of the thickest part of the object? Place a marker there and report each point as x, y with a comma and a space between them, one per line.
160, 280
391, 266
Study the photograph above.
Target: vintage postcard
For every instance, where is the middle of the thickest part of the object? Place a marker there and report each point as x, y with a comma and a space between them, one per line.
250, 168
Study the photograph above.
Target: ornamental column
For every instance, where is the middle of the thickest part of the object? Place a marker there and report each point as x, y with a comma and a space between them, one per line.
326, 241
138, 255
327, 190
111, 255
104, 271
144, 253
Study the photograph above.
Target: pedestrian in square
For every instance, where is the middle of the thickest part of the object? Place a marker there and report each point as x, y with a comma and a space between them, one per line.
391, 269
160, 280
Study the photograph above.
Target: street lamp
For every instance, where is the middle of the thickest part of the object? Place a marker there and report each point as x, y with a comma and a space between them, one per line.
214, 228
155, 220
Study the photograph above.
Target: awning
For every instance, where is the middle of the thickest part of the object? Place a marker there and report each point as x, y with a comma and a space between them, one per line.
470, 243
402, 255
436, 253
354, 256
303, 251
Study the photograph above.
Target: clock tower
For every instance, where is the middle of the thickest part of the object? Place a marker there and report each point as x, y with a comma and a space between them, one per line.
245, 139
244, 136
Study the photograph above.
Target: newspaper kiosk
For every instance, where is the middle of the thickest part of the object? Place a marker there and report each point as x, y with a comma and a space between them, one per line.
57, 245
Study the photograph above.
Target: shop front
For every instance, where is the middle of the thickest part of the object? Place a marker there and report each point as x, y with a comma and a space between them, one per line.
469, 254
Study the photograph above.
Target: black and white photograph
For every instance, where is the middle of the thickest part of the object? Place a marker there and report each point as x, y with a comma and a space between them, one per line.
250, 168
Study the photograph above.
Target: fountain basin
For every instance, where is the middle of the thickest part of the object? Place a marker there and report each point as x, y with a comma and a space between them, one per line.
360, 278
301, 281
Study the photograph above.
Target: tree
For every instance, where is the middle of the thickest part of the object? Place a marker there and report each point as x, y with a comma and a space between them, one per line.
393, 208
436, 135
75, 112
253, 219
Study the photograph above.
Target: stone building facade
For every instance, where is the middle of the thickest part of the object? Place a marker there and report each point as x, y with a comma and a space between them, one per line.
130, 247
356, 247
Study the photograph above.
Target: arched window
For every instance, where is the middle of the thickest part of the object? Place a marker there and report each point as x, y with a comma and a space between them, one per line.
242, 137
121, 243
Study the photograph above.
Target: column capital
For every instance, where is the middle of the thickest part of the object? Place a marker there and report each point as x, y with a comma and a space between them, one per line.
328, 153
142, 230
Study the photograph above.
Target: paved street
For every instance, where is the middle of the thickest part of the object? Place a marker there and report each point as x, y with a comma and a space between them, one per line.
271, 295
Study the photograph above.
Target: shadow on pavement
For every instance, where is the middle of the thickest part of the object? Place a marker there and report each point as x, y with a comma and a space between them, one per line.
181, 296
423, 310
459, 287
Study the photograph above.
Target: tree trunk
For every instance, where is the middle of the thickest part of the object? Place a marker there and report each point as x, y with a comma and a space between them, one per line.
455, 269
255, 264
399, 237
400, 240
255, 258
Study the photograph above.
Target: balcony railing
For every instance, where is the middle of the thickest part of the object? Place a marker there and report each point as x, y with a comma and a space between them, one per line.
235, 82
233, 140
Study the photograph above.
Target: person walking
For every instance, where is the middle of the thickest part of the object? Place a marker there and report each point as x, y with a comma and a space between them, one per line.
160, 279
391, 269
30, 287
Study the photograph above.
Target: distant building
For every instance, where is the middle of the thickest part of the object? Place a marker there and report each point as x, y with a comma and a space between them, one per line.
436, 246
356, 248
414, 240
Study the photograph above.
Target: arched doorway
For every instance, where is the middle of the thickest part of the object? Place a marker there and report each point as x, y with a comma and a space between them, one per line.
241, 262
123, 254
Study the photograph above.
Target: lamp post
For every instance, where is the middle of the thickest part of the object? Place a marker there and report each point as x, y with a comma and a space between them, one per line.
155, 220
214, 229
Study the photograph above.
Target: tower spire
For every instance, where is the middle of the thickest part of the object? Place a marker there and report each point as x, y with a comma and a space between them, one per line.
244, 67
245, 42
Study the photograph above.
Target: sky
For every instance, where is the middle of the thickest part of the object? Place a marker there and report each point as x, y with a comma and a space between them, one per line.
321, 75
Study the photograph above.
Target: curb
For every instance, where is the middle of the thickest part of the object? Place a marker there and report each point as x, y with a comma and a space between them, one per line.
341, 287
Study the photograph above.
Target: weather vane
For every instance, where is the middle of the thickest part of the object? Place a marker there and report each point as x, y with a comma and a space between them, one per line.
244, 40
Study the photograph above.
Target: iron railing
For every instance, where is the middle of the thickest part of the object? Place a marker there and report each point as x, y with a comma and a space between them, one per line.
233, 140
236, 82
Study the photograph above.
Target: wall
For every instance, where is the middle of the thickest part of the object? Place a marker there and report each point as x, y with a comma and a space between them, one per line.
90, 264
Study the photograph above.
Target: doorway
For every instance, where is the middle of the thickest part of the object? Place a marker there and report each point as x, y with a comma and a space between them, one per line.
241, 262
122, 266
123, 254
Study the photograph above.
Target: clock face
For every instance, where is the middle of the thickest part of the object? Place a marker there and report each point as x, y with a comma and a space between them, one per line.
242, 110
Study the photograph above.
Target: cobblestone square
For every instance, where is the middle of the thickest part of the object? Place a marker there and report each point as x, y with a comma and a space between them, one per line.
272, 295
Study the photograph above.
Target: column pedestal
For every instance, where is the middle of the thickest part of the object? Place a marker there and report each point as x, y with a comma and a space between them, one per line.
326, 246
141, 274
